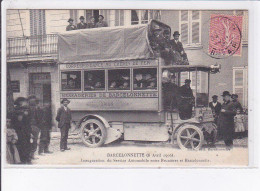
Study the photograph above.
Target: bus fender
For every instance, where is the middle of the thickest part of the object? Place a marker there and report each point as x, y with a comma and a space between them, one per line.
112, 134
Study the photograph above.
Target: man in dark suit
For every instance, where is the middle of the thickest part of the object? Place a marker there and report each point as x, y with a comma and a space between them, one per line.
177, 45
226, 120
64, 118
236, 103
71, 26
101, 22
186, 100
82, 24
215, 106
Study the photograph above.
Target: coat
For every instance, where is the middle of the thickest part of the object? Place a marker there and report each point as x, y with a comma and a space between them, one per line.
177, 46
215, 109
82, 26
226, 121
101, 24
63, 117
46, 119
71, 27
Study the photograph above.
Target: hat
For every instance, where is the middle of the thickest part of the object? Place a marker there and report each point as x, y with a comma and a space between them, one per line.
234, 96
176, 33
156, 27
187, 81
65, 99
19, 99
214, 96
32, 97
70, 19
226, 93
101, 16
81, 17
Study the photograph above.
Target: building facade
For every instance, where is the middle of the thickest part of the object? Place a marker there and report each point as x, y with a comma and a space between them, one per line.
32, 47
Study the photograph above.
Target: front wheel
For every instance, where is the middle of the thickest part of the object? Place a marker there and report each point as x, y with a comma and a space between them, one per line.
93, 133
190, 137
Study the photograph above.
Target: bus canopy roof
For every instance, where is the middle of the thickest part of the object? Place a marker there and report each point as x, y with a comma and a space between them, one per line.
104, 44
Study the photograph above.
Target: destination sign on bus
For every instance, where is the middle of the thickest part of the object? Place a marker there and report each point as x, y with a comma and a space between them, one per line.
110, 64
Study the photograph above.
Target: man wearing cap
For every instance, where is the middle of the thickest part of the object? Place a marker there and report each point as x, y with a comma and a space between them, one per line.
101, 22
186, 100
215, 107
71, 27
236, 103
82, 24
226, 120
64, 118
177, 45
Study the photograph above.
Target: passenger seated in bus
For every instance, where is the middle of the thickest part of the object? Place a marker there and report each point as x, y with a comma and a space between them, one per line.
152, 85
125, 85
138, 81
98, 85
92, 23
90, 82
70, 84
170, 94
113, 85
186, 101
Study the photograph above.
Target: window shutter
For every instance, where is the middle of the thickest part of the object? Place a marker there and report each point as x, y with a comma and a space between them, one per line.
184, 33
184, 16
122, 17
195, 32
37, 22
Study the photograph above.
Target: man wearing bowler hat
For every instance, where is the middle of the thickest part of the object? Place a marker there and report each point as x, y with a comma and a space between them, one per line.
215, 107
71, 26
82, 24
177, 45
64, 118
226, 120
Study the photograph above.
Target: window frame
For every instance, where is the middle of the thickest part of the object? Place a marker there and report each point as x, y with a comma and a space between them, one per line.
118, 90
81, 73
139, 14
244, 86
146, 90
83, 81
189, 22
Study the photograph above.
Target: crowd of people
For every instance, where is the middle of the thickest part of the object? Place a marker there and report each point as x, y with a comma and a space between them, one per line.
170, 49
83, 25
24, 126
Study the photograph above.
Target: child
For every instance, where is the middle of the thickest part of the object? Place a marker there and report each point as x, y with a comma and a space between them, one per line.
12, 155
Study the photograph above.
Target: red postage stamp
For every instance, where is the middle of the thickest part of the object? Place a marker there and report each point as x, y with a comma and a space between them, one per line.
225, 36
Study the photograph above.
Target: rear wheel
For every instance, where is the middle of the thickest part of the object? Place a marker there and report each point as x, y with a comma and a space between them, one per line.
93, 133
190, 137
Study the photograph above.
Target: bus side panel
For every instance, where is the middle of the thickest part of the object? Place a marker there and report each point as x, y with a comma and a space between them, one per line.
123, 116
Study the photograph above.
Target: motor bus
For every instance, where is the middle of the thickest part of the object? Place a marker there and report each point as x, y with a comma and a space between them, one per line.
114, 78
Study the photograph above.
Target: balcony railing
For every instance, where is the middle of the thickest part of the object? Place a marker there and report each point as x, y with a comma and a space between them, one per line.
32, 46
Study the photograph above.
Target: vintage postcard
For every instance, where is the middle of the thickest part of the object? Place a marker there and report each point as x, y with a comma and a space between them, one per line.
126, 88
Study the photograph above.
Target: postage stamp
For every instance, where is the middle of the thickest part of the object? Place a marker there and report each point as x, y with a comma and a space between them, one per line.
126, 88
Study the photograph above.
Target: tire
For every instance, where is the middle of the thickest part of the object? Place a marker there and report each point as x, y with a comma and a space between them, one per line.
190, 137
93, 133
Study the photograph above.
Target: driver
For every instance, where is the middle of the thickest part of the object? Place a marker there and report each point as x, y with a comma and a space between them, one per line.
186, 100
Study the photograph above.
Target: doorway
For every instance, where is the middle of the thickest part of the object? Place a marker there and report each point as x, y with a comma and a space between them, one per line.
40, 86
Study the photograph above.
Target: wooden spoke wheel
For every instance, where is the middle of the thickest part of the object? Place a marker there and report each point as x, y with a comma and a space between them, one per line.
93, 133
190, 137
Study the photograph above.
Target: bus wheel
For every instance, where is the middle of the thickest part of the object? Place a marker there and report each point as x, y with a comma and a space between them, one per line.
93, 133
190, 137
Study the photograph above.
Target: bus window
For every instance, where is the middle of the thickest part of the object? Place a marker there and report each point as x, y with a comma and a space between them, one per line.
94, 80
119, 79
145, 79
71, 81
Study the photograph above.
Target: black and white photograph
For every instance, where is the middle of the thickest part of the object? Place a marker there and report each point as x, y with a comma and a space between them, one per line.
126, 87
